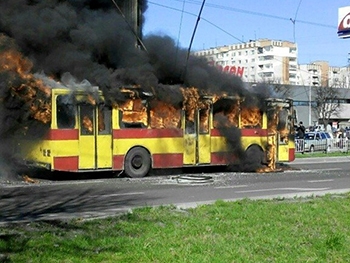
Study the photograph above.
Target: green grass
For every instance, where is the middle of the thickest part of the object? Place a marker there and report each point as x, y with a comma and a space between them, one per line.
296, 230
322, 154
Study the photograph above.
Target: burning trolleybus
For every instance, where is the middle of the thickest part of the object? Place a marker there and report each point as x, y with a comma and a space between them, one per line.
142, 132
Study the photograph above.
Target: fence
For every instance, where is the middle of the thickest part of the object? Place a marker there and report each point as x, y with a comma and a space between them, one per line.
329, 145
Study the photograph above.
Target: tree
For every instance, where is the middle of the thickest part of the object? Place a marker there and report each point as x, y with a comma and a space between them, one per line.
283, 91
326, 103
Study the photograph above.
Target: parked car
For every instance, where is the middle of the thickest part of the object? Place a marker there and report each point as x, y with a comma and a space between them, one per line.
317, 141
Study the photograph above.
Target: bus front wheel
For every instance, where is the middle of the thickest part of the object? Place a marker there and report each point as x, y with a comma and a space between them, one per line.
137, 162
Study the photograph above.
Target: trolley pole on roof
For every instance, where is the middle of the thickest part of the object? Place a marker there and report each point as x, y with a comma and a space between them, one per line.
190, 46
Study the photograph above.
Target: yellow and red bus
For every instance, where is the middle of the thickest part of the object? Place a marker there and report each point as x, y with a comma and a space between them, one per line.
143, 133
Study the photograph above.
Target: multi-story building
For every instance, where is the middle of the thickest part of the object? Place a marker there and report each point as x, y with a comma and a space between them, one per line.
263, 60
310, 74
319, 73
273, 61
339, 77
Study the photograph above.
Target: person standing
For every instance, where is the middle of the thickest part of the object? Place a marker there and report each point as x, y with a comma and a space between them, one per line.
301, 130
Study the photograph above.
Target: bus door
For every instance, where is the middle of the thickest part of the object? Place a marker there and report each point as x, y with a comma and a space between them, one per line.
190, 142
95, 138
283, 132
197, 139
87, 142
203, 149
278, 119
104, 137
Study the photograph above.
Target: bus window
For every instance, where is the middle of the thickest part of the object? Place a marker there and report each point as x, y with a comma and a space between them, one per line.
283, 125
189, 127
204, 121
251, 118
86, 119
133, 114
104, 120
65, 112
163, 116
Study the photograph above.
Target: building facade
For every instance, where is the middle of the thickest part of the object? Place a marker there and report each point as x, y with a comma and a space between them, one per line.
274, 61
320, 73
263, 60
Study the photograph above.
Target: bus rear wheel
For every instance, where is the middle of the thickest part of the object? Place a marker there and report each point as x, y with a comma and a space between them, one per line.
137, 162
254, 158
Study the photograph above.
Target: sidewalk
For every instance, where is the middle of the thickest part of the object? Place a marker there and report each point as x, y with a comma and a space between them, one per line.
335, 159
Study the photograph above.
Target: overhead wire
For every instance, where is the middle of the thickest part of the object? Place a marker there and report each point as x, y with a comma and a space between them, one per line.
241, 11
195, 15
226, 8
295, 18
237, 10
130, 27
178, 36
192, 38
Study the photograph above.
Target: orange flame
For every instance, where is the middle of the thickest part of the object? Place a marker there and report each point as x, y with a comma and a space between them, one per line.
87, 124
251, 117
164, 115
32, 91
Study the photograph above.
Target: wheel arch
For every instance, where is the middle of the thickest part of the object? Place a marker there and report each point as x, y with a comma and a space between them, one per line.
258, 147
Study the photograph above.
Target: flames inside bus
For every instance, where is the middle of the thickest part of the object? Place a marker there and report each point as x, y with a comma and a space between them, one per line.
142, 132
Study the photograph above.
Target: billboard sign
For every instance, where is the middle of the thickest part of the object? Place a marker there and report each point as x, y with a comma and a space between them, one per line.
344, 22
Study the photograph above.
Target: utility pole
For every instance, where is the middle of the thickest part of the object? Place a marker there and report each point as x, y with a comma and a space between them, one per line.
310, 104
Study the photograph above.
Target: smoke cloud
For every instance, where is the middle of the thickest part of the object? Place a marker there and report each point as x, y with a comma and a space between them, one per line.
90, 40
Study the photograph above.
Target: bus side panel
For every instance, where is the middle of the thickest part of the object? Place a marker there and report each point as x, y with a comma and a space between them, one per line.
36, 153
220, 152
69, 164
64, 149
291, 155
165, 146
169, 160
283, 153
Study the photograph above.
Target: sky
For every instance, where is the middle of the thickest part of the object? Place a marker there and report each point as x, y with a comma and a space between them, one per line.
226, 22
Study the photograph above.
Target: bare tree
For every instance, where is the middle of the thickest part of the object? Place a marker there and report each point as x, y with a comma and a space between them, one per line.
326, 103
283, 90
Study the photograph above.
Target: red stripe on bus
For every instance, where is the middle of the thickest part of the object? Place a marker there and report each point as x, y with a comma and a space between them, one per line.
291, 154
168, 160
63, 134
69, 163
147, 133
222, 158
244, 132
118, 162
254, 132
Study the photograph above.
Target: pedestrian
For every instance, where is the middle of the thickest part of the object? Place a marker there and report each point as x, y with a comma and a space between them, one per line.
301, 130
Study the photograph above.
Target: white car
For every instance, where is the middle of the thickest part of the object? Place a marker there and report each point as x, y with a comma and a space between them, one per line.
317, 141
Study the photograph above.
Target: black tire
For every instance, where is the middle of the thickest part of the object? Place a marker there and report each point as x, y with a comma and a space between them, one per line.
253, 160
312, 149
137, 162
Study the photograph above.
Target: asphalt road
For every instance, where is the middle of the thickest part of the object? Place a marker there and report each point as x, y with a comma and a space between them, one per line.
101, 197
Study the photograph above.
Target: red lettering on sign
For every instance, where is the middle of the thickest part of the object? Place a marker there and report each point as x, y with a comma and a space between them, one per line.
345, 23
232, 70
229, 69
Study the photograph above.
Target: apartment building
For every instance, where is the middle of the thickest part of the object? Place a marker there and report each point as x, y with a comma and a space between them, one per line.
339, 77
263, 60
274, 61
319, 73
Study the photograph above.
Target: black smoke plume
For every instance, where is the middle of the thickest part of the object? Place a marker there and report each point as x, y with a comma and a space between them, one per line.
91, 40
